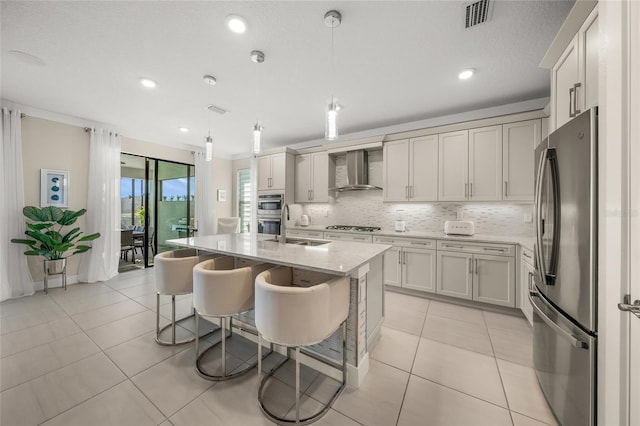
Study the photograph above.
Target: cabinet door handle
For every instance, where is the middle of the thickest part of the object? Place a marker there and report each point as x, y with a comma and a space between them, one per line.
493, 249
530, 285
452, 246
505, 188
420, 243
470, 189
382, 240
576, 111
571, 103
399, 260
466, 190
476, 266
526, 255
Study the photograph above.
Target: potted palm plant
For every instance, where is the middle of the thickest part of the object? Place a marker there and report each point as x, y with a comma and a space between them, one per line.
50, 239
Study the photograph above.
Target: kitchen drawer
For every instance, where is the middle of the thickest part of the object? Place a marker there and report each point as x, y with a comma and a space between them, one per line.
483, 248
406, 242
359, 238
526, 255
304, 233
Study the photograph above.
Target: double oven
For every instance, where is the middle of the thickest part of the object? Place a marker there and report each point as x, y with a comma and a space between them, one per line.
270, 213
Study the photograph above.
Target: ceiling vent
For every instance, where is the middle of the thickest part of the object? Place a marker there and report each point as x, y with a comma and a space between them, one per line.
217, 109
477, 13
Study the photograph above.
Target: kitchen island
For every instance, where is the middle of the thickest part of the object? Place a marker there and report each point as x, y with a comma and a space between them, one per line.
313, 262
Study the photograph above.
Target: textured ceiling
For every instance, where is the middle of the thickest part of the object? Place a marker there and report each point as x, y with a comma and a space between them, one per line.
395, 62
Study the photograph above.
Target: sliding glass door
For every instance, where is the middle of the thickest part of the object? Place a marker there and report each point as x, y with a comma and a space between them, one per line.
175, 197
157, 199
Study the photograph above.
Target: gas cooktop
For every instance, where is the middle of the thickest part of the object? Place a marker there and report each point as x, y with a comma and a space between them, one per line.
354, 228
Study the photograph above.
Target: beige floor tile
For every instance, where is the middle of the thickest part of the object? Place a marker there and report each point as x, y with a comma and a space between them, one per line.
123, 404
523, 391
49, 395
26, 305
116, 332
172, 383
136, 355
467, 335
507, 322
309, 407
520, 420
512, 345
235, 402
287, 374
12, 323
149, 300
104, 315
12, 343
27, 365
404, 320
466, 371
195, 413
456, 312
427, 403
409, 303
90, 302
78, 291
139, 290
377, 401
396, 348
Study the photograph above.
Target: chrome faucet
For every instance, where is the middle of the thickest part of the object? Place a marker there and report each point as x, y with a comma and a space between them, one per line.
283, 223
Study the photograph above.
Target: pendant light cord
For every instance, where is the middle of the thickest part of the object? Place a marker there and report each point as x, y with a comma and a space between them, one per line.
333, 82
209, 111
257, 91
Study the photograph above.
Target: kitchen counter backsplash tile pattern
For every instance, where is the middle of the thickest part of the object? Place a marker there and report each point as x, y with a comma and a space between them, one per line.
365, 208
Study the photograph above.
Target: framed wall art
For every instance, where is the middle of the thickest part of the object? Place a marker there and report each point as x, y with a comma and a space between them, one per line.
54, 188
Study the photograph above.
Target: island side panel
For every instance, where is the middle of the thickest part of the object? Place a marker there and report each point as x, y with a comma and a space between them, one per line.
375, 301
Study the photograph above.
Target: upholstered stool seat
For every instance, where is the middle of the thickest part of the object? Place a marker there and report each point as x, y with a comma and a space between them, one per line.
219, 292
174, 276
299, 316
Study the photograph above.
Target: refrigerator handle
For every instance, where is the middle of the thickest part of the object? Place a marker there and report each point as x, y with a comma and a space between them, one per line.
567, 336
538, 214
555, 185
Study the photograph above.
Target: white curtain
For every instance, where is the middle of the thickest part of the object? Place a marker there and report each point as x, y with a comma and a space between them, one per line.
103, 208
15, 279
205, 196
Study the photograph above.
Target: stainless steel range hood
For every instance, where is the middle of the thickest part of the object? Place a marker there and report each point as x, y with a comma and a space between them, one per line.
357, 172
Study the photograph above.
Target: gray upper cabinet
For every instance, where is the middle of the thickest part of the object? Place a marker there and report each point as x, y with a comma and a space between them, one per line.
312, 178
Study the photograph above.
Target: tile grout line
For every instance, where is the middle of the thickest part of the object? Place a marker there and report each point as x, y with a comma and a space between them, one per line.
504, 391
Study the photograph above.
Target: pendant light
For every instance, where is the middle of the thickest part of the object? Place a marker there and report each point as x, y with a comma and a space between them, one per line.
208, 141
332, 19
258, 58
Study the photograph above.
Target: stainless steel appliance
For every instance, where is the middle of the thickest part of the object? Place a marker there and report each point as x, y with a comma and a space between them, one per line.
354, 228
269, 225
270, 205
565, 286
269, 213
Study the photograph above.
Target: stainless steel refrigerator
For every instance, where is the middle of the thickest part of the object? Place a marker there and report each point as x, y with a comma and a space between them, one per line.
564, 294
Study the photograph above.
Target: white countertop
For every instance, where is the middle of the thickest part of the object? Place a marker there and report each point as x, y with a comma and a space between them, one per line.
503, 239
336, 257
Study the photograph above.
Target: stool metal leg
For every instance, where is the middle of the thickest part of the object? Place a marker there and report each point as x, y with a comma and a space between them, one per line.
297, 384
173, 325
223, 323
321, 412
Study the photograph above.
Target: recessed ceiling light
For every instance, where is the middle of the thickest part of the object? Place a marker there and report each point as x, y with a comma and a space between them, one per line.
184, 129
236, 23
465, 74
147, 82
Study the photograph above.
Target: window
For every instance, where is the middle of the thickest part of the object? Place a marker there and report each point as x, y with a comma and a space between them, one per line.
132, 195
244, 199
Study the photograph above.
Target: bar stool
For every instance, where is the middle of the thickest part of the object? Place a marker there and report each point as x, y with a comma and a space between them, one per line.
174, 276
220, 291
299, 316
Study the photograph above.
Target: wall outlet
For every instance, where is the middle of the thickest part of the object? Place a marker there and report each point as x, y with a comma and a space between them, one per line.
459, 215
326, 212
527, 218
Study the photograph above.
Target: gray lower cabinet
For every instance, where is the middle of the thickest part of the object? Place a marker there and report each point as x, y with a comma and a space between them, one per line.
455, 276
410, 263
467, 273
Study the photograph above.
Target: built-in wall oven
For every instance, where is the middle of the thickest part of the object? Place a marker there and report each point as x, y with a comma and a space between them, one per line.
269, 213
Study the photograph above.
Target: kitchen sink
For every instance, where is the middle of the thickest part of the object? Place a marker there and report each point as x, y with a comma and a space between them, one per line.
300, 241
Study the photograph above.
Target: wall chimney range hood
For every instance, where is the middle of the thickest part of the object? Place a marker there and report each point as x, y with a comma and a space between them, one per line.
357, 172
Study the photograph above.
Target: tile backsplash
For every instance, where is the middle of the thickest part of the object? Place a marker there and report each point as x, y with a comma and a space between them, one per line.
365, 208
